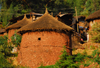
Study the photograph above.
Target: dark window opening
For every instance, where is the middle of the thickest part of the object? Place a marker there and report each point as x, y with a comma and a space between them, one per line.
39, 38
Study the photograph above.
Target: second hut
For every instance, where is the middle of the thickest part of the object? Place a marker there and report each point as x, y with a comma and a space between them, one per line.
14, 27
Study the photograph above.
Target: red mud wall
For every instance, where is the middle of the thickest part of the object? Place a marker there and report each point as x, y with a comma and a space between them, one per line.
98, 20
11, 33
92, 22
42, 48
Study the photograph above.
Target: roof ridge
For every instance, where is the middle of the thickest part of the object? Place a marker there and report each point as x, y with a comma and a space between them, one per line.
46, 11
24, 17
46, 22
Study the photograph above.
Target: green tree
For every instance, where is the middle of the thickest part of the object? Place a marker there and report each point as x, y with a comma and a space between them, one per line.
90, 7
14, 8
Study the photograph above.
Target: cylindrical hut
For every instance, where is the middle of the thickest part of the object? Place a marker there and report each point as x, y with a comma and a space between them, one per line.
14, 27
43, 41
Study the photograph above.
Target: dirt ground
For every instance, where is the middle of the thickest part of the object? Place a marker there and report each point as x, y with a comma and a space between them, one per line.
88, 47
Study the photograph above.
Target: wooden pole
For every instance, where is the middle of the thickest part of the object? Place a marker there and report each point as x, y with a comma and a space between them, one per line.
77, 27
76, 14
77, 20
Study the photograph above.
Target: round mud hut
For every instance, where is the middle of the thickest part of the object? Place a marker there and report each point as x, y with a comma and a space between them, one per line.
43, 41
14, 27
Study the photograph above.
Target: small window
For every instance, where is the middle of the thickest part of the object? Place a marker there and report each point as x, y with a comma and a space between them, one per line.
39, 38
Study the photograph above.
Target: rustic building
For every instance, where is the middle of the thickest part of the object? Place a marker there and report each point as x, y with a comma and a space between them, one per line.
43, 41
91, 19
80, 26
78, 22
12, 28
65, 18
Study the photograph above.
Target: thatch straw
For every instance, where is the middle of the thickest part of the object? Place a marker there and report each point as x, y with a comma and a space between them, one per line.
19, 24
2, 31
95, 15
46, 22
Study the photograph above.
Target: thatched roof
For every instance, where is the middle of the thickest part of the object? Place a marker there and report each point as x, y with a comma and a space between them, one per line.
95, 15
45, 22
19, 24
80, 17
27, 15
2, 31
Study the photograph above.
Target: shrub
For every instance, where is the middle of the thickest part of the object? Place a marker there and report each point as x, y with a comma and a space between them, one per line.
16, 39
50, 66
79, 57
5, 47
4, 63
96, 56
5, 53
87, 64
66, 61
3, 40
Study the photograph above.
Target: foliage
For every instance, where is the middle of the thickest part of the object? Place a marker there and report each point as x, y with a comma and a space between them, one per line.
5, 53
20, 67
4, 63
66, 61
10, 10
14, 8
91, 6
3, 40
16, 39
85, 65
51, 66
5, 48
96, 56
95, 32
6, 13
79, 57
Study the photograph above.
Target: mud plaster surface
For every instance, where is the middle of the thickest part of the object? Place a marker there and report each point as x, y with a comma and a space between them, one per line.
11, 33
42, 48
